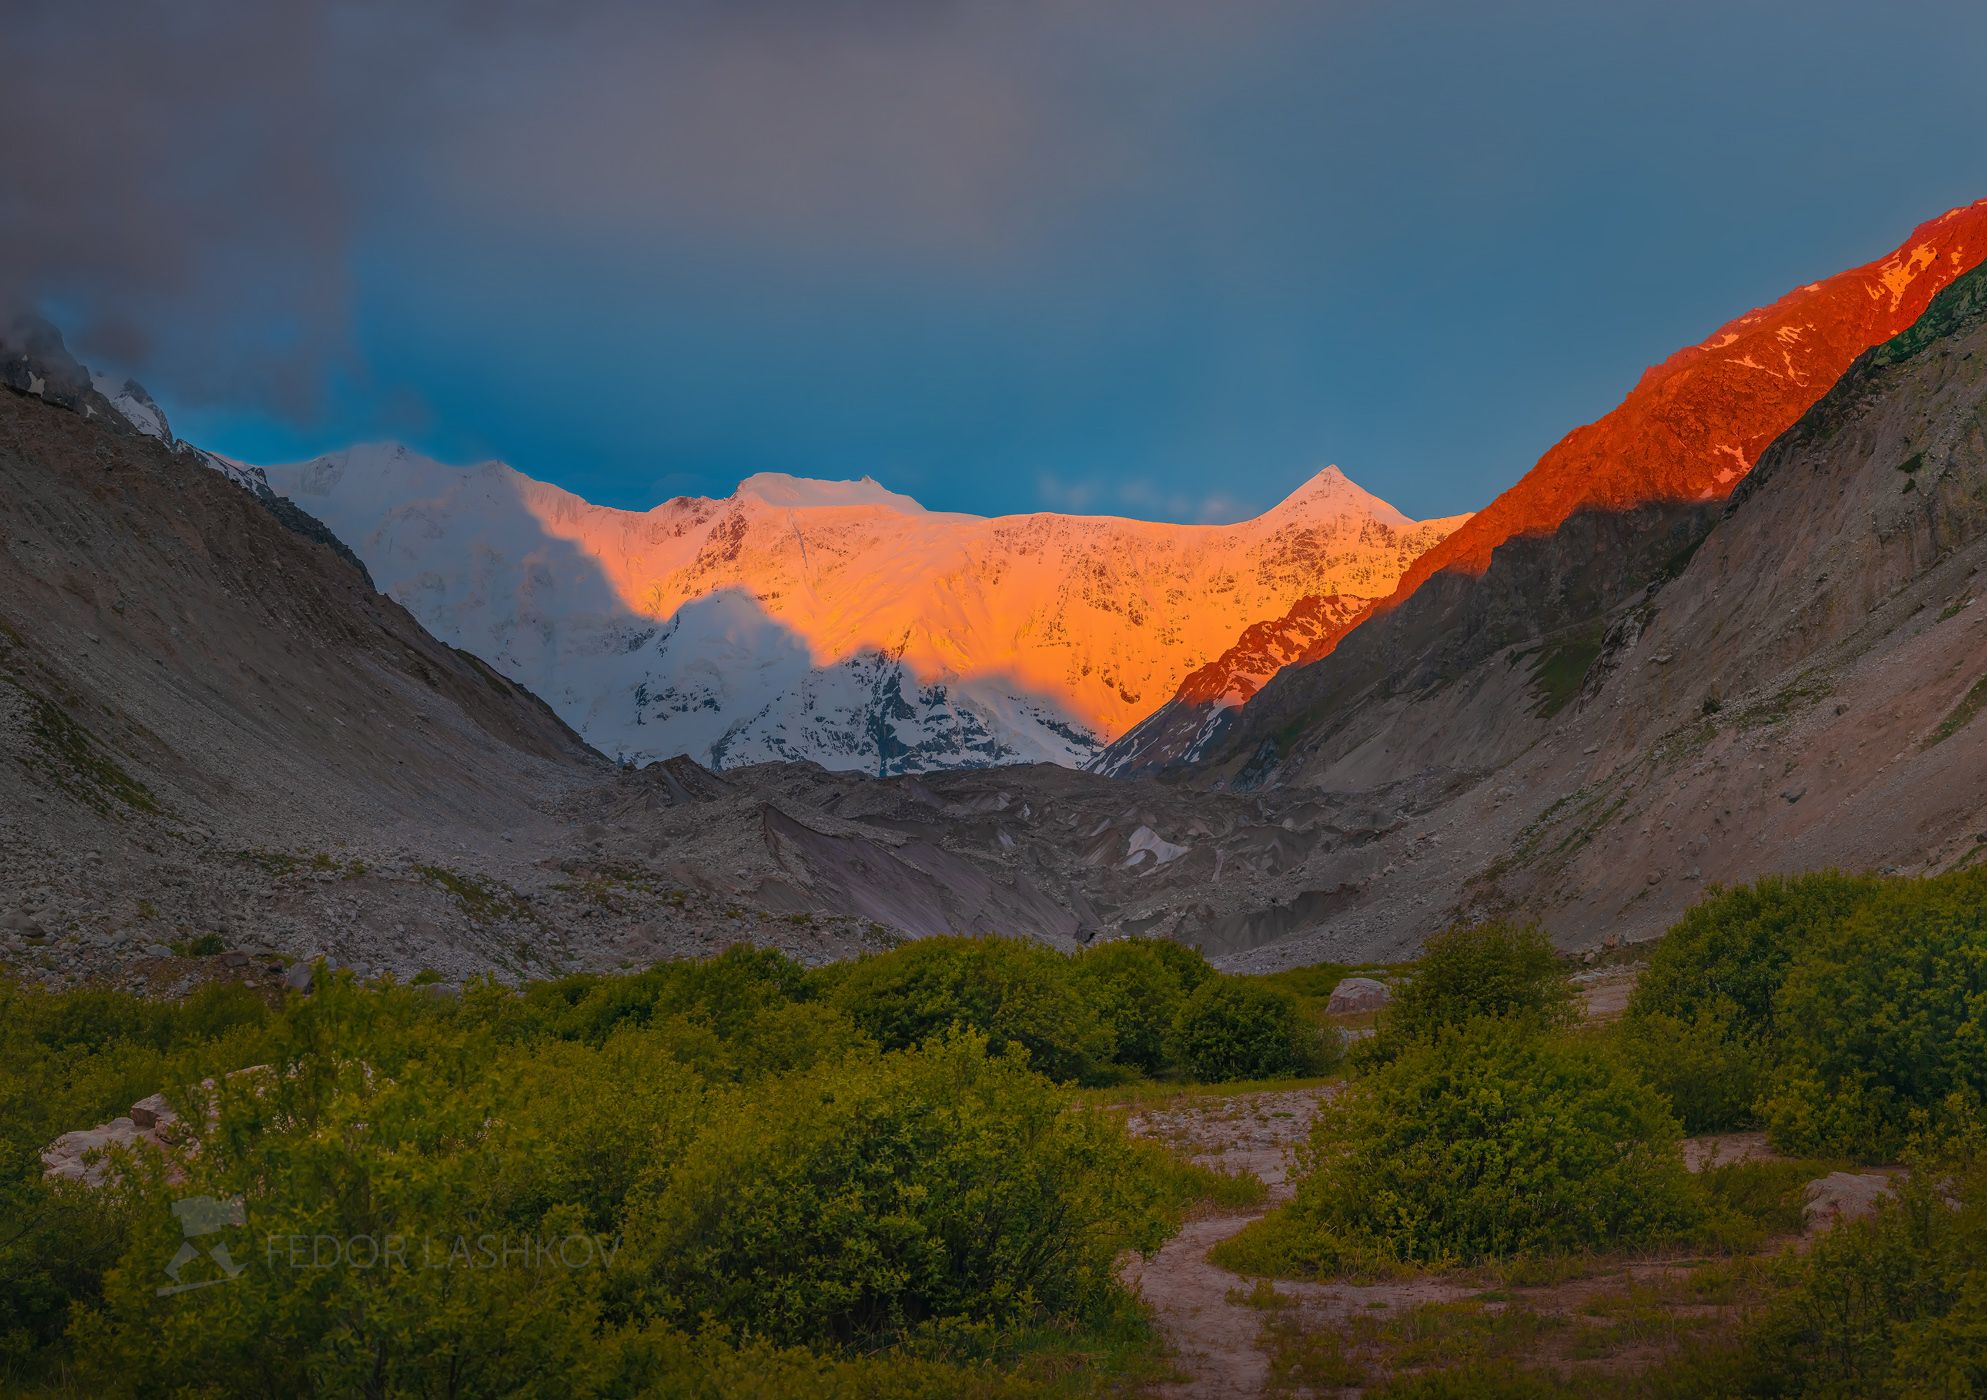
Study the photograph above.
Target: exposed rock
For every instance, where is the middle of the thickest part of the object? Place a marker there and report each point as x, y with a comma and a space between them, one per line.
1841, 1196
1358, 994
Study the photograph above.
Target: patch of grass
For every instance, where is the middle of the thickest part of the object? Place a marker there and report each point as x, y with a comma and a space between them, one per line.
1912, 463
1803, 692
1468, 1330
1161, 1094
205, 946
481, 901
147, 909
424, 977
1953, 610
1974, 701
1562, 669
1307, 1362
78, 764
1262, 1296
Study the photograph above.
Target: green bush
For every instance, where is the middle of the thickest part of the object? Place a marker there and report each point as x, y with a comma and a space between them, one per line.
1485, 1143
1137, 986
1011, 990
1231, 1028
1882, 1022
1700, 1022
1729, 953
944, 1187
1712, 1076
1891, 1305
1475, 971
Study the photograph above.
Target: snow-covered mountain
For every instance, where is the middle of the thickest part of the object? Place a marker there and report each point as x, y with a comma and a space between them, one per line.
837, 621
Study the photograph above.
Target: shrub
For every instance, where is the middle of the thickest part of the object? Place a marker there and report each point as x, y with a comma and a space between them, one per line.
1882, 1021
1473, 971
1891, 1305
941, 1189
1236, 1029
1137, 986
1012, 991
1485, 1143
1711, 1075
1729, 953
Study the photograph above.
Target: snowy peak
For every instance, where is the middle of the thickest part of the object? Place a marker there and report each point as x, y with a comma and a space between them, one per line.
837, 621
1332, 495
803, 493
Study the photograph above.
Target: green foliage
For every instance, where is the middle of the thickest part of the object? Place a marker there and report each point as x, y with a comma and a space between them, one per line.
1235, 1029
1882, 1021
1892, 1305
1137, 986
1476, 971
1012, 991
1485, 1143
1711, 1074
939, 1186
1700, 1024
757, 1198
207, 945
1729, 953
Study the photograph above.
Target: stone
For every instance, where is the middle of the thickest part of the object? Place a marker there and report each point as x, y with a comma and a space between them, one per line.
298, 978
1358, 994
1841, 1196
154, 1113
65, 1157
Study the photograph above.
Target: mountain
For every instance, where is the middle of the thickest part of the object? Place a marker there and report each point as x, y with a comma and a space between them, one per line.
836, 622
1688, 432
1800, 687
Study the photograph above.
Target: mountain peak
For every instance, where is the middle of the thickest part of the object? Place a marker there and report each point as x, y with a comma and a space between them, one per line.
1331, 494
804, 493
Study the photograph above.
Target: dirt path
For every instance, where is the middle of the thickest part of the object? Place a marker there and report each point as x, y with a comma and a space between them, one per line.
1214, 1337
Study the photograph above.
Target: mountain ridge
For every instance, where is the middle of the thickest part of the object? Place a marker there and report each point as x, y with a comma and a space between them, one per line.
836, 622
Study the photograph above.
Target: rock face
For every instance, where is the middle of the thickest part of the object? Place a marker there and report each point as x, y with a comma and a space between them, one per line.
1686, 434
839, 622
1358, 994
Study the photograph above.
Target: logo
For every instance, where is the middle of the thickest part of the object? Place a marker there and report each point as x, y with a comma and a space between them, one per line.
200, 1217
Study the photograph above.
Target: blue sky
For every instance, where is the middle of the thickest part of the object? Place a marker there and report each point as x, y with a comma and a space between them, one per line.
1148, 257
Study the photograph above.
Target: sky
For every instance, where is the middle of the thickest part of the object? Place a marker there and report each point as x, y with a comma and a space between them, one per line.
1161, 258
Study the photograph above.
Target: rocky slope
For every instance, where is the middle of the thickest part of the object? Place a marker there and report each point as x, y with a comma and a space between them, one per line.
1688, 432
836, 622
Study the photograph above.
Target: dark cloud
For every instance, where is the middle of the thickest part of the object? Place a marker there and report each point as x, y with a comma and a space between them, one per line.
188, 185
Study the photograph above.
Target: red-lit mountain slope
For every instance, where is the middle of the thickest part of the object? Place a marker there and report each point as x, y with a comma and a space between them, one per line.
1697, 422
1688, 432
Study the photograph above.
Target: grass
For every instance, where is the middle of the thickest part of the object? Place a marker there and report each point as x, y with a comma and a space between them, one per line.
205, 946
78, 764
481, 901
1974, 701
1162, 1094
1562, 669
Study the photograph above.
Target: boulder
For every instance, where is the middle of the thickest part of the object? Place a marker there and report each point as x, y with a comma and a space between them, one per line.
1841, 1196
154, 1114
82, 1155
1359, 994
298, 978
